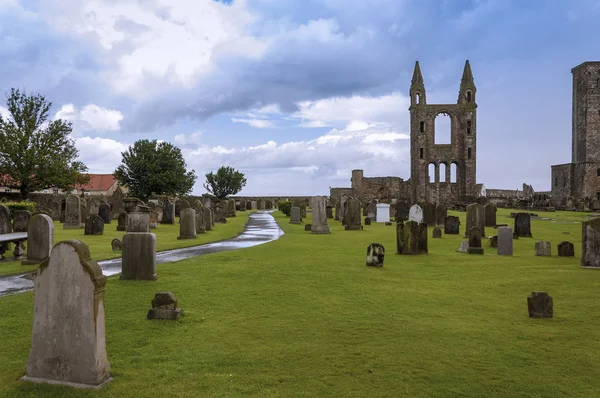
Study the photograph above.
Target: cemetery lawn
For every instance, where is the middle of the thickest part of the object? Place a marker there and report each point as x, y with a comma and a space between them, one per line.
303, 316
100, 245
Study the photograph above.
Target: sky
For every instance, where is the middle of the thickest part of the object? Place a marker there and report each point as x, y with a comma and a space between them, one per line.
297, 93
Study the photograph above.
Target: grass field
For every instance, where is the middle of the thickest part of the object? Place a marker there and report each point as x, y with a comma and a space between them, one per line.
100, 245
303, 316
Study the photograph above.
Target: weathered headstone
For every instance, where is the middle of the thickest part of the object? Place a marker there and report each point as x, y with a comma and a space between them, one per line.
590, 243
411, 238
268, 205
375, 255
94, 206
319, 216
308, 227
367, 221
543, 248
117, 202
83, 211
429, 214
436, 233
566, 249
490, 215
207, 219
40, 239
54, 207
383, 212
441, 212
476, 218
451, 225
248, 205
229, 210
68, 337
116, 244
187, 224
200, 225
5, 227
523, 225
72, 212
329, 211
94, 225
475, 241
464, 247
372, 210
139, 245
122, 221
20, 220
494, 241
539, 305
164, 306
153, 219
505, 241
168, 211
415, 214
352, 215
295, 217
402, 210
105, 213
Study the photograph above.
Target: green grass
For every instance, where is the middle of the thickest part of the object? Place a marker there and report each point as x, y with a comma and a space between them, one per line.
100, 245
303, 316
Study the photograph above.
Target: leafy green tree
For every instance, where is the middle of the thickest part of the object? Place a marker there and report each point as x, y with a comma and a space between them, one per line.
154, 168
227, 181
36, 152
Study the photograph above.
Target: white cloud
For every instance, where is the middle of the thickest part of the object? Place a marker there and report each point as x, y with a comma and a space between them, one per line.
101, 155
258, 123
90, 118
4, 112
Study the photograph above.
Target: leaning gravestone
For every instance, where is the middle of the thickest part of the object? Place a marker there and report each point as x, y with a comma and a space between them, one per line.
475, 241
295, 215
68, 343
139, 245
352, 215
40, 239
164, 306
476, 218
187, 224
523, 225
94, 225
490, 215
566, 249
590, 243
415, 214
319, 216
104, 213
451, 225
543, 248
72, 212
20, 220
375, 255
539, 305
505, 241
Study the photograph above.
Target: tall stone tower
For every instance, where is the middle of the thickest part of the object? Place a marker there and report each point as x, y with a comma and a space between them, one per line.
580, 179
454, 164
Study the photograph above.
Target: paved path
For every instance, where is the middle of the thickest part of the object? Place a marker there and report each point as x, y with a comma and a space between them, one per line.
261, 228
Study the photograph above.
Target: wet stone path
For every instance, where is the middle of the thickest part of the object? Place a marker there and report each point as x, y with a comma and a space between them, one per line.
261, 228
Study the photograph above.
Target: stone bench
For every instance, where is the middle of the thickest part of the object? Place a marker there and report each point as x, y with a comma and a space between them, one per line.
15, 237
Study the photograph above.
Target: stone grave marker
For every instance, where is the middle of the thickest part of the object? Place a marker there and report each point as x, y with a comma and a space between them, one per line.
429, 214
55, 210
505, 241
40, 239
105, 213
116, 244
72, 212
411, 238
319, 216
590, 243
452, 225
187, 224
441, 212
523, 225
476, 218
164, 306
20, 220
295, 217
207, 219
94, 206
168, 212
352, 215
490, 215
372, 210
436, 233
566, 249
94, 225
543, 248
475, 241
122, 221
139, 245
415, 214
84, 212
375, 255
367, 221
539, 305
464, 247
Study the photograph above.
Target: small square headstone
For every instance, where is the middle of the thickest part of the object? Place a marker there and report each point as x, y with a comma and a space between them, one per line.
540, 305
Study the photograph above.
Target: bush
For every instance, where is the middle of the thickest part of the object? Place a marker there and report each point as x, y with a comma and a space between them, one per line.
14, 206
285, 207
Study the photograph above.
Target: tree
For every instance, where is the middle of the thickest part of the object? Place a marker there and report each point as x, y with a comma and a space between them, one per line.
152, 167
227, 181
36, 152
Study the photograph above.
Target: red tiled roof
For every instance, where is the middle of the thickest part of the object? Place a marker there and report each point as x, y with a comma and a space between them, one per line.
98, 182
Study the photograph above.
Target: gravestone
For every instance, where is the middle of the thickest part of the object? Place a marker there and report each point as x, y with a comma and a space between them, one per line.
94, 225
5, 226
20, 220
187, 224
375, 254
464, 247
441, 212
543, 248
475, 241
83, 211
490, 215
352, 215
68, 343
207, 219
253, 205
268, 205
40, 239
308, 227
451, 225
248, 205
164, 306
168, 212
523, 225
105, 213
505, 241
200, 225
94, 206
411, 238
436, 233
566, 249
429, 214
295, 215
319, 216
342, 215
494, 242
329, 211
415, 214
367, 221
238, 206
336, 215
402, 210
55, 210
476, 218
122, 221
139, 245
372, 210
153, 219
72, 212
539, 305
229, 208
590, 243
116, 244
117, 202
383, 212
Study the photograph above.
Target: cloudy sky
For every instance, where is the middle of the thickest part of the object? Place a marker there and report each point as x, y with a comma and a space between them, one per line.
297, 93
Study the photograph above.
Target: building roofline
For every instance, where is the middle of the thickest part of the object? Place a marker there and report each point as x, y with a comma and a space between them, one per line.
581, 65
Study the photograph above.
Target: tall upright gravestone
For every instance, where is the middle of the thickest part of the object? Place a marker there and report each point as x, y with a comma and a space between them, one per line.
72, 212
429, 214
319, 216
139, 245
68, 344
476, 218
411, 238
55, 210
490, 215
104, 213
187, 224
590, 243
20, 220
168, 212
352, 215
523, 225
40, 239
